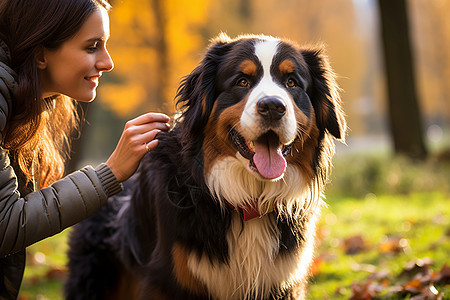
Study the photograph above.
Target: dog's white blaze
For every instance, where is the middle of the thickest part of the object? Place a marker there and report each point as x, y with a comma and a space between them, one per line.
251, 128
266, 51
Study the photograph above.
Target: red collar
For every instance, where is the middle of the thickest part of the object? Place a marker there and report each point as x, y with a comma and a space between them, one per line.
248, 212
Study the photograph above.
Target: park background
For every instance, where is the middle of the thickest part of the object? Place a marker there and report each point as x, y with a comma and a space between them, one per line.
386, 230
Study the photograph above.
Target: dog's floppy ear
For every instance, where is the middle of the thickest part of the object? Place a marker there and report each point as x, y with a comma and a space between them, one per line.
324, 93
196, 94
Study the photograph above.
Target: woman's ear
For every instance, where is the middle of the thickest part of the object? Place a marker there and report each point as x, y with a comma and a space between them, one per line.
41, 60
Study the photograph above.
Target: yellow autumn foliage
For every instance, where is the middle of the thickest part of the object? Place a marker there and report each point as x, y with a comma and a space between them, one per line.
134, 47
123, 99
154, 43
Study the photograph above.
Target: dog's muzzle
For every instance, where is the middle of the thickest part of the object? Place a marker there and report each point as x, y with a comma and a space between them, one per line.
266, 155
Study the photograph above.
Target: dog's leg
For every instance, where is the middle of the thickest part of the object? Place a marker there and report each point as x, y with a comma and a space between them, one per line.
90, 267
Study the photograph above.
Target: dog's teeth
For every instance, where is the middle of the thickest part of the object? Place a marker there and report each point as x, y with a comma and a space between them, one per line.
251, 145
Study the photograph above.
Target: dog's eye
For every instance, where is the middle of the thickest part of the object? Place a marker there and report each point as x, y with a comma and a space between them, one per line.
243, 82
291, 83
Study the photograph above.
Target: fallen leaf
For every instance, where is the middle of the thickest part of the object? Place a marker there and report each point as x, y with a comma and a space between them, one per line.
316, 266
414, 286
354, 244
420, 265
23, 296
59, 273
394, 245
362, 291
422, 283
443, 277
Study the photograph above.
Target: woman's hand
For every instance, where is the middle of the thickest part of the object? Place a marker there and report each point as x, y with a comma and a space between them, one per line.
138, 137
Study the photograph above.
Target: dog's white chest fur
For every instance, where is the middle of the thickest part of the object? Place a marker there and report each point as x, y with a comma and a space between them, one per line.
254, 266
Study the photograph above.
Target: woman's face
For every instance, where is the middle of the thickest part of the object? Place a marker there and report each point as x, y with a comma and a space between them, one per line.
75, 67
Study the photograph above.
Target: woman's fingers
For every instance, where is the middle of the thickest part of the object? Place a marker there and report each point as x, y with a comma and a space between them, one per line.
138, 137
151, 145
135, 129
148, 118
150, 135
135, 137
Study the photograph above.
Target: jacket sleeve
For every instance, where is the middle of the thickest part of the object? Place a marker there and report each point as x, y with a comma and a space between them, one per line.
40, 214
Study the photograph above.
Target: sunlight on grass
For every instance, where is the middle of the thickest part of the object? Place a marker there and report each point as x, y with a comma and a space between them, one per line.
45, 270
392, 231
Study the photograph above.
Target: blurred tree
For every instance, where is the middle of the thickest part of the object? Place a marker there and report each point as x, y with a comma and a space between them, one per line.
404, 112
162, 64
245, 9
431, 40
153, 44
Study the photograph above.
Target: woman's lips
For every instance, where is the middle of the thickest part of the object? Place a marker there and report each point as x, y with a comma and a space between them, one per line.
93, 79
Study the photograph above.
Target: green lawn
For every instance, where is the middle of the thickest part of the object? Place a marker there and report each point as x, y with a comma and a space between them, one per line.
376, 237
383, 217
45, 270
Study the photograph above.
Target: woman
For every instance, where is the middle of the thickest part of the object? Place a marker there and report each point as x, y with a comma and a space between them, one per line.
52, 51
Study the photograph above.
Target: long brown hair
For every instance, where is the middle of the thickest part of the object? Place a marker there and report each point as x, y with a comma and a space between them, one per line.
38, 130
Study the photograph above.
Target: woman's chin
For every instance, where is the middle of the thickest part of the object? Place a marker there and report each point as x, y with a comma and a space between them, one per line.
85, 98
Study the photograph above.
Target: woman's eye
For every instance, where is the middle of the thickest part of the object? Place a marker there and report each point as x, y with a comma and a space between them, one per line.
93, 48
290, 83
243, 82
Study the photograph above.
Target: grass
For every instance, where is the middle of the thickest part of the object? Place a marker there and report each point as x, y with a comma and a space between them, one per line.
45, 270
389, 232
386, 212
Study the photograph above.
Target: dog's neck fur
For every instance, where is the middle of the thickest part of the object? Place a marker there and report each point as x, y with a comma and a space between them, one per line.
230, 182
255, 264
256, 268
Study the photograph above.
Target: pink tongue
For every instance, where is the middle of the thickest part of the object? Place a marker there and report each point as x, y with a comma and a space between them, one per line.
269, 161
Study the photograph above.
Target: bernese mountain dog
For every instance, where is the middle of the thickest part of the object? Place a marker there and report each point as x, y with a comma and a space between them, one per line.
226, 206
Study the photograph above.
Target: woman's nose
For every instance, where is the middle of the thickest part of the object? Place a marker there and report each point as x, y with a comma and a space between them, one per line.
105, 62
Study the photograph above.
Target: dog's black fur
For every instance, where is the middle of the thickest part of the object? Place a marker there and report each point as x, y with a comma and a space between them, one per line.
145, 242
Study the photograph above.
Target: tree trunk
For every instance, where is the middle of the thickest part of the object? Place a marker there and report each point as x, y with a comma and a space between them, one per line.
404, 112
161, 50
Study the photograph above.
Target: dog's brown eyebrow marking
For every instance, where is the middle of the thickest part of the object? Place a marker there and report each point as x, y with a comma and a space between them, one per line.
248, 67
287, 66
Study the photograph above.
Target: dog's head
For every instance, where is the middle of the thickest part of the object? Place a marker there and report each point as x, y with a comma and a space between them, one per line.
260, 109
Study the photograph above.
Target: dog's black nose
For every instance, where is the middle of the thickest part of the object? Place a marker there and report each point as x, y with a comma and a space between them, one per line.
271, 108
